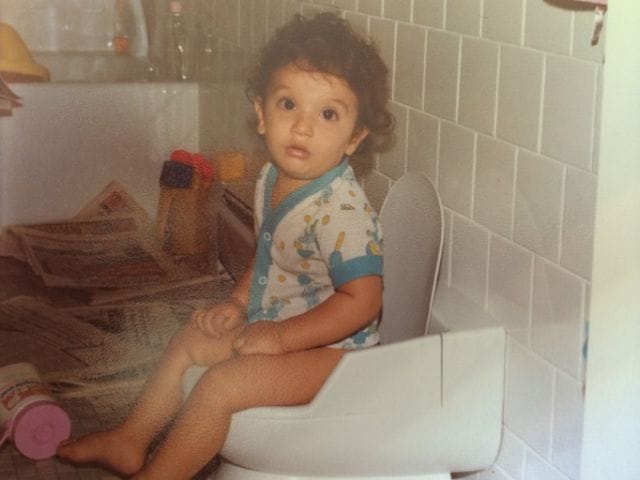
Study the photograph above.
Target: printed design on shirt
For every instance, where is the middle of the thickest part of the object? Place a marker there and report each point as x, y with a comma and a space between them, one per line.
304, 243
374, 246
361, 338
325, 196
335, 257
350, 177
272, 312
310, 290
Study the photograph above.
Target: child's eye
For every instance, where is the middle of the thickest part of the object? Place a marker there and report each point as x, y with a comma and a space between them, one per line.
329, 114
287, 104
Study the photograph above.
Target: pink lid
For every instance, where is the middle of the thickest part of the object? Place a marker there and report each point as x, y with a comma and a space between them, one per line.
175, 6
39, 429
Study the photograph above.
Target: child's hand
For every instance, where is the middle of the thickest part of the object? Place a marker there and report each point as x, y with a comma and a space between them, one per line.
259, 338
219, 319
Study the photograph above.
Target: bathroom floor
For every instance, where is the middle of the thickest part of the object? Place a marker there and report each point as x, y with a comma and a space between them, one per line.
88, 414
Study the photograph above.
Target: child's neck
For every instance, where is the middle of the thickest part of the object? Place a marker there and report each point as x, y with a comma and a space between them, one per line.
283, 187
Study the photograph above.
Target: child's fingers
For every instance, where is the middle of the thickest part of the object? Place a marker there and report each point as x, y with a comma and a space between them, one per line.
203, 320
196, 317
231, 321
218, 320
239, 344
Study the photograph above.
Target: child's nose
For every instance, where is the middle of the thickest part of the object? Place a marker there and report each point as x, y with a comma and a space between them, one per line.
303, 124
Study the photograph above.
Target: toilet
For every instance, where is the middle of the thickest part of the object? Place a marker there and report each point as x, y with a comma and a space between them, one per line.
415, 407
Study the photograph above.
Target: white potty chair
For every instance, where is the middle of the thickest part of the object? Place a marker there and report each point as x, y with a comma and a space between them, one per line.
415, 407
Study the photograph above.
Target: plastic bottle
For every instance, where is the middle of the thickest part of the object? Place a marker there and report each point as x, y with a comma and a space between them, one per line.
180, 54
123, 26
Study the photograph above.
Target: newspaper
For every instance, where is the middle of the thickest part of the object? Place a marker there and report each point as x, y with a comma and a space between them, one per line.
102, 352
113, 210
104, 226
196, 292
139, 333
87, 351
113, 201
135, 326
93, 260
10, 246
32, 331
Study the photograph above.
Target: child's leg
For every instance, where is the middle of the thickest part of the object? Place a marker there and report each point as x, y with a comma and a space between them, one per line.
244, 382
124, 448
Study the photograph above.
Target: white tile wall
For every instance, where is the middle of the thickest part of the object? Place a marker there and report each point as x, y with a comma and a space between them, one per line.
537, 468
398, 10
497, 101
520, 95
548, 27
557, 316
441, 78
429, 13
478, 85
567, 425
528, 408
502, 21
569, 110
512, 456
578, 222
392, 163
455, 167
538, 209
510, 282
463, 16
422, 148
409, 68
469, 253
494, 187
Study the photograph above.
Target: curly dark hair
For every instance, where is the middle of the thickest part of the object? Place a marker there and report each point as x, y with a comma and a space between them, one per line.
326, 43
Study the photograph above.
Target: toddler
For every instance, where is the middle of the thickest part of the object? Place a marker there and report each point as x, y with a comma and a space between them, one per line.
313, 290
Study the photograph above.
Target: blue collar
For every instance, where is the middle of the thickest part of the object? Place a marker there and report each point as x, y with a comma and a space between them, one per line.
272, 217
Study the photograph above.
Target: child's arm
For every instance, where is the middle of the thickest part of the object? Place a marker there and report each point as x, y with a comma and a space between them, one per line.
349, 309
219, 319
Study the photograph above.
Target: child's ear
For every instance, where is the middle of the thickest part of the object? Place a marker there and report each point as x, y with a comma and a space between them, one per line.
257, 106
358, 137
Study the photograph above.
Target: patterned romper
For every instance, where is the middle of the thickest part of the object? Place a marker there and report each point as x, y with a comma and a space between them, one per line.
319, 237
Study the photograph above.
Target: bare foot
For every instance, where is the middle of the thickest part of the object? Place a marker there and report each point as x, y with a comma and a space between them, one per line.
112, 449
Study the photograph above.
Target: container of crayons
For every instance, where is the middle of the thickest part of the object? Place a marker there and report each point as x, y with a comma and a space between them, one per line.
183, 220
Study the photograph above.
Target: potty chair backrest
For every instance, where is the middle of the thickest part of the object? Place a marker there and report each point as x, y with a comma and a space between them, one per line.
413, 232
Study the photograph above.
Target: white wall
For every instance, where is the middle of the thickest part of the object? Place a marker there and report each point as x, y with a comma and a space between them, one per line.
612, 416
69, 140
497, 101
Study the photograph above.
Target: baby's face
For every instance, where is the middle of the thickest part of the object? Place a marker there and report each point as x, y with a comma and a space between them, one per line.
309, 121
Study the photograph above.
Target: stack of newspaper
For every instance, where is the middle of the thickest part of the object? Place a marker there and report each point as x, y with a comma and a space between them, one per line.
135, 298
8, 99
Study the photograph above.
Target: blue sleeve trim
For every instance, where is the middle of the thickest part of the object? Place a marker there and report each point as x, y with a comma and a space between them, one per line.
356, 268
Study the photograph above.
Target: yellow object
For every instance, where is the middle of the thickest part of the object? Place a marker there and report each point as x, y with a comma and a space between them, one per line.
16, 63
230, 166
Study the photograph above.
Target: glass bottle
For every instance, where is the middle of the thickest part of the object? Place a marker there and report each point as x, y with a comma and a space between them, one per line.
180, 42
206, 61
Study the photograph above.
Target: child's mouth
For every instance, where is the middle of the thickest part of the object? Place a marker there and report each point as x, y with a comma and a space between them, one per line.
297, 151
